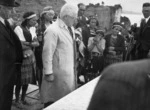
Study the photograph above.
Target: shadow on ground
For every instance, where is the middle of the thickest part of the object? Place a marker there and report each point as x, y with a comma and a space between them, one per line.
32, 97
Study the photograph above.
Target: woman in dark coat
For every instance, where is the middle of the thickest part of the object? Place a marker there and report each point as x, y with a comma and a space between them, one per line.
115, 46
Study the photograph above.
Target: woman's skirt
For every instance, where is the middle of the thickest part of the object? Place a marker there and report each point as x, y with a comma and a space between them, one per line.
111, 59
28, 70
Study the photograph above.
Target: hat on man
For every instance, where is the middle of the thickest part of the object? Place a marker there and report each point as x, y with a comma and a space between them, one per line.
9, 3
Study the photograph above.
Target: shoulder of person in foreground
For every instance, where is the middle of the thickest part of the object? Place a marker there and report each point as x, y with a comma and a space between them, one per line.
123, 86
132, 71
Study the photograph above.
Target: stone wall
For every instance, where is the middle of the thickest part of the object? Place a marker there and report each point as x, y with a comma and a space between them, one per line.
106, 15
38, 5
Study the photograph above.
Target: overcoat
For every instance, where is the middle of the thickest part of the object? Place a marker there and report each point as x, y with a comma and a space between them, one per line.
58, 59
10, 56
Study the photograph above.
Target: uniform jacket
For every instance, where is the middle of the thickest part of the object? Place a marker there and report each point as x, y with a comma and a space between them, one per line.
123, 86
59, 60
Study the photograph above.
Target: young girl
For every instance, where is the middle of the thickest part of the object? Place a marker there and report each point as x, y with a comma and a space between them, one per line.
96, 46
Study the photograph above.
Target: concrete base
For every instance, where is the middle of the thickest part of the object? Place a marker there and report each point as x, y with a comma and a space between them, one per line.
77, 100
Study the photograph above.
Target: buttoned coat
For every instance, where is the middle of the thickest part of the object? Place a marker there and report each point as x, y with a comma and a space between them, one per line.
10, 54
58, 59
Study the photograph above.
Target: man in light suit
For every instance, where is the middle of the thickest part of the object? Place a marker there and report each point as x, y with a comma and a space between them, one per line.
59, 78
143, 40
10, 54
123, 86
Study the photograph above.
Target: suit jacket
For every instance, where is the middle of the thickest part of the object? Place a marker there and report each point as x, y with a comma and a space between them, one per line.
144, 36
123, 86
10, 55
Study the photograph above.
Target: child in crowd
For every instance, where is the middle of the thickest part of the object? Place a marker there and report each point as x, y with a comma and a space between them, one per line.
96, 46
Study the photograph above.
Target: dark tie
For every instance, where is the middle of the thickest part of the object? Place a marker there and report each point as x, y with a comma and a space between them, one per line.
8, 27
70, 30
74, 47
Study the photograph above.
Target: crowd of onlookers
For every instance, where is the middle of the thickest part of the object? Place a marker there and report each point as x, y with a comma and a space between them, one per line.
69, 50
95, 48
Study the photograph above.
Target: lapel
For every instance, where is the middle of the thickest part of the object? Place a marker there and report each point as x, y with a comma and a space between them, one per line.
5, 33
64, 30
147, 24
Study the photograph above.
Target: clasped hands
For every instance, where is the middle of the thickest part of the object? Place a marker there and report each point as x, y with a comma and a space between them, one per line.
95, 41
111, 48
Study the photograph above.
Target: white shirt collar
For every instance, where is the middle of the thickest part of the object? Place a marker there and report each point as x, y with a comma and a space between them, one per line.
2, 20
147, 19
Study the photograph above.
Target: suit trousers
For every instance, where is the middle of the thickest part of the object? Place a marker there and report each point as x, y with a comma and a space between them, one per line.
6, 97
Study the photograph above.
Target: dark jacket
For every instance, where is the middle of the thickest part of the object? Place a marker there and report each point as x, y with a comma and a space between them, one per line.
10, 55
123, 86
118, 44
144, 36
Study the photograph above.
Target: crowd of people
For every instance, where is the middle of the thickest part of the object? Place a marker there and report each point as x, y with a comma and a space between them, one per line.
60, 53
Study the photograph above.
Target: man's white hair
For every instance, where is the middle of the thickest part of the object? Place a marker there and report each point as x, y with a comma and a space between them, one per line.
69, 10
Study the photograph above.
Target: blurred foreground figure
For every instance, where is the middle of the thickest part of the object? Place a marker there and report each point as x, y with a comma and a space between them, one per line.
123, 86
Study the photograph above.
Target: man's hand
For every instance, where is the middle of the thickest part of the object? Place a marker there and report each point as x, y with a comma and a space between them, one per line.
26, 43
34, 44
49, 77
